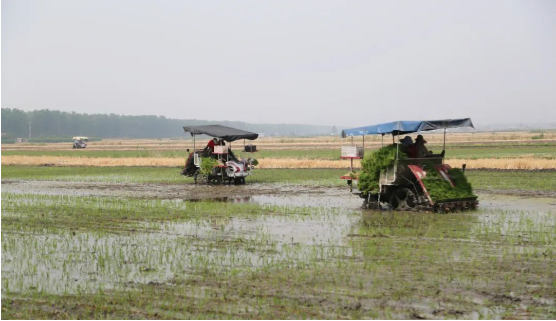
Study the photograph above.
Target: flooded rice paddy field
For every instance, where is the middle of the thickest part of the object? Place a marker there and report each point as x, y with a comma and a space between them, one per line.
110, 250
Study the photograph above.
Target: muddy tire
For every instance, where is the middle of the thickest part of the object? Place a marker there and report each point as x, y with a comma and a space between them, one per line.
216, 180
200, 178
403, 199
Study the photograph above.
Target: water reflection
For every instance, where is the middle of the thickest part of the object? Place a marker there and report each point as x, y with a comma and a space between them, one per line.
330, 201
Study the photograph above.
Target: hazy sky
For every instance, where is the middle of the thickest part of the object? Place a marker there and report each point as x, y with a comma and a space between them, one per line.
350, 63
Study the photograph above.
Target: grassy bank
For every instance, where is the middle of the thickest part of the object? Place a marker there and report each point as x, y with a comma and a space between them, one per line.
327, 177
502, 180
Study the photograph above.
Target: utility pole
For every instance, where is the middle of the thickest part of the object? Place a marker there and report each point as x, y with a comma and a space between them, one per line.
29, 129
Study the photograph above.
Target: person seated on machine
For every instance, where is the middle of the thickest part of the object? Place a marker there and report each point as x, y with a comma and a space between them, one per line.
405, 144
422, 150
208, 151
213, 142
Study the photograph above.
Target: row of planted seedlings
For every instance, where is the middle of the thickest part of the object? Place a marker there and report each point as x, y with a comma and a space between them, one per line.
70, 244
463, 262
346, 264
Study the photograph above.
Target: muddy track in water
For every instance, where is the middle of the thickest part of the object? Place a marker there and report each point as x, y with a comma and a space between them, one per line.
297, 195
192, 191
279, 194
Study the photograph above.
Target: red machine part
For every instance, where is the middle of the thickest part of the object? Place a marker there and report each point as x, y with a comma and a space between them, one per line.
420, 173
443, 171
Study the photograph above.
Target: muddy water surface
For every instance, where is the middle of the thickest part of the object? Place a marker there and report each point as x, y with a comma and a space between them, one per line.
304, 242
58, 263
277, 194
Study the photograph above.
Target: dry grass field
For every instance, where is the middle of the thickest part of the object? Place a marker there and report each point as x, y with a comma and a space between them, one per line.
515, 150
521, 163
290, 143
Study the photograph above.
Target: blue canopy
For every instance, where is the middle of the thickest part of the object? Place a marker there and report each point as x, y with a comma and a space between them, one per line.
404, 127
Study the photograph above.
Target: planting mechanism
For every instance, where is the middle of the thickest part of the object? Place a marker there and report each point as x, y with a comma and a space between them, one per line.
403, 184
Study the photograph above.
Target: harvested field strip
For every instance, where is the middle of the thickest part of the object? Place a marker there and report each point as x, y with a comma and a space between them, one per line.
262, 146
522, 163
160, 162
538, 151
96, 162
290, 143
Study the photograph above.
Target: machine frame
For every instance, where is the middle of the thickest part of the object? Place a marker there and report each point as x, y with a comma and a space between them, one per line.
231, 169
401, 185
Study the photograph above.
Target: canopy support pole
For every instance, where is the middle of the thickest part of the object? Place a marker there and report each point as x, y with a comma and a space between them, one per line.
444, 146
397, 147
363, 143
351, 140
193, 144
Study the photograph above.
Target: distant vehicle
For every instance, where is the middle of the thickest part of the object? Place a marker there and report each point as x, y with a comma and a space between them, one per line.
401, 185
78, 143
228, 168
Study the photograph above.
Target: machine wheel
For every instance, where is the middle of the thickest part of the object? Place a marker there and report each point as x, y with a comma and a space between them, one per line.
403, 199
239, 181
216, 180
200, 178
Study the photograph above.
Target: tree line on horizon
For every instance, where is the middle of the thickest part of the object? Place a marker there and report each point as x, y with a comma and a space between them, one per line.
50, 123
